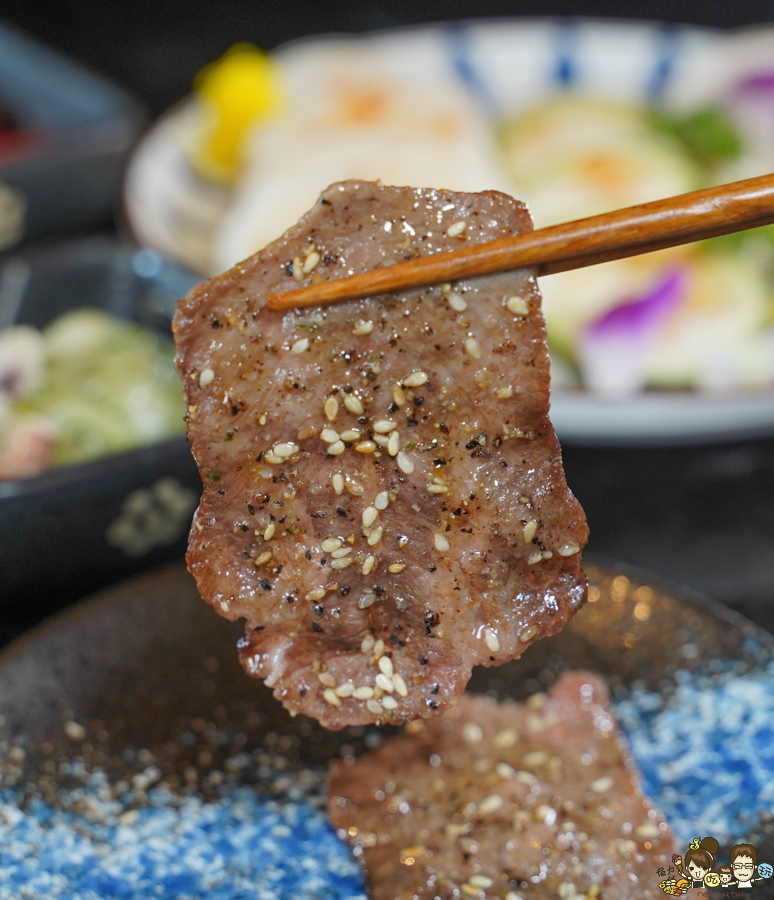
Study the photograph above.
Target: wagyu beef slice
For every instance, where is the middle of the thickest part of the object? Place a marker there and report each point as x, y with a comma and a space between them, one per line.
384, 502
540, 799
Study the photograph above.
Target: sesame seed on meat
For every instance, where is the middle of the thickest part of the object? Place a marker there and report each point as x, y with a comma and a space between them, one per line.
398, 462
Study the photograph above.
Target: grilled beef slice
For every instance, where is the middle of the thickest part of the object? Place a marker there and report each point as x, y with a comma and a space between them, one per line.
384, 501
540, 799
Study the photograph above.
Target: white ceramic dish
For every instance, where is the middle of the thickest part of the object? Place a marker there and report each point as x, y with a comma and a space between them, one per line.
498, 67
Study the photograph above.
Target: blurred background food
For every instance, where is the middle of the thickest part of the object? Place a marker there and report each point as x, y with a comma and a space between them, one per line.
253, 108
86, 386
576, 129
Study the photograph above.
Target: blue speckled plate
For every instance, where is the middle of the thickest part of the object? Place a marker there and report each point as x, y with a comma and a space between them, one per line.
147, 664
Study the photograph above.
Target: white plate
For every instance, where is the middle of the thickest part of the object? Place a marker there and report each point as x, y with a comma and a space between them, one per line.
501, 67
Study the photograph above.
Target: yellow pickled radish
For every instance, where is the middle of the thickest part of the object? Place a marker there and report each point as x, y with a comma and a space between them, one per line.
235, 92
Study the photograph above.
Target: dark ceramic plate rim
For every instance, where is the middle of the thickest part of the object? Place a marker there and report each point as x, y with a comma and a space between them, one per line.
102, 468
81, 609
40, 689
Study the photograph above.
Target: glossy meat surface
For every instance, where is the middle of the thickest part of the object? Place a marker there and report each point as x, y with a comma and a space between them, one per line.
540, 799
384, 501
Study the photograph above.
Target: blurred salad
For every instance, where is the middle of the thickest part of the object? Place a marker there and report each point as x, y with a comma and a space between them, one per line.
88, 385
700, 316
693, 317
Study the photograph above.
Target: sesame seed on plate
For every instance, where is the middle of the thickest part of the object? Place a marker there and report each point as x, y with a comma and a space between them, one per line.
316, 594
506, 738
207, 377
374, 706
601, 785
534, 558
338, 482
336, 448
528, 633
398, 395
530, 529
365, 447
472, 733
368, 564
503, 393
300, 345
375, 536
456, 229
535, 758
393, 445
481, 880
268, 533
370, 515
342, 563
395, 568
329, 435
489, 805
326, 679
350, 434
367, 644
264, 557
389, 702
297, 269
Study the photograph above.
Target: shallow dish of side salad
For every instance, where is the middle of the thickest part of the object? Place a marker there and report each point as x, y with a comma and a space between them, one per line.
574, 117
96, 478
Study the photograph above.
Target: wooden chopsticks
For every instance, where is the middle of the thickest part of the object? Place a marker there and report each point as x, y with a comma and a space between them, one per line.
573, 245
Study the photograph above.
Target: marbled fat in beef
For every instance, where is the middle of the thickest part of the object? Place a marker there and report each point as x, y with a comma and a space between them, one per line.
384, 501
499, 800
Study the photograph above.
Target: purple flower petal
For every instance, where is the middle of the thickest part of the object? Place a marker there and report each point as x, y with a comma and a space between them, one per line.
612, 350
762, 83
640, 316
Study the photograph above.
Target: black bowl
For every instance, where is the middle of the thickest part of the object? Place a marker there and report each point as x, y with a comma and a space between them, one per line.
75, 529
